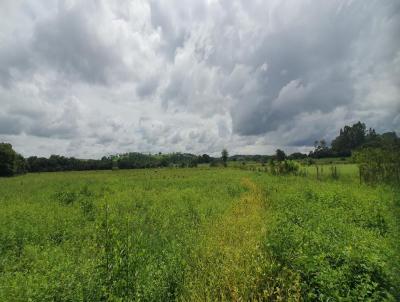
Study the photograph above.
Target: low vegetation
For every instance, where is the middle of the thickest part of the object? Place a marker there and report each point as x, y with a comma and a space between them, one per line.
197, 234
379, 164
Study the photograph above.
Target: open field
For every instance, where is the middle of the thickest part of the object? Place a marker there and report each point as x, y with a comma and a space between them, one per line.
196, 235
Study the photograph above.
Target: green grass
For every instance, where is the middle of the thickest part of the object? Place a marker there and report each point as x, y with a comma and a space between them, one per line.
197, 234
346, 172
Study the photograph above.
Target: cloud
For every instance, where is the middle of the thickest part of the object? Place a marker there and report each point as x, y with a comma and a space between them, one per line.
69, 42
10, 125
92, 78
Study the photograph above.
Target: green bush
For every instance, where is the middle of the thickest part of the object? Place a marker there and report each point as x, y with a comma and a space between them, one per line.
163, 235
337, 243
283, 167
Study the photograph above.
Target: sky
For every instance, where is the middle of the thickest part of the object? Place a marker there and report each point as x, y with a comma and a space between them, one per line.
92, 78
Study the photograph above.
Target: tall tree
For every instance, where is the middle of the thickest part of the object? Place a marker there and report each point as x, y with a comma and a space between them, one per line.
11, 163
224, 156
280, 155
350, 138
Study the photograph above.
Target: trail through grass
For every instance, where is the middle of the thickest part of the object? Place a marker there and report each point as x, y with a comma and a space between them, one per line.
228, 261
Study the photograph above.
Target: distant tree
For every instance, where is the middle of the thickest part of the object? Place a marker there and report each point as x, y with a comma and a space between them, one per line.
193, 164
205, 158
350, 138
224, 156
374, 140
7, 158
280, 155
389, 138
297, 155
11, 163
215, 163
321, 150
353, 138
20, 165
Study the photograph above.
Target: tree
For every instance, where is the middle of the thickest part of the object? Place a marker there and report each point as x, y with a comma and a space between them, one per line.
280, 155
380, 164
350, 138
11, 163
297, 155
205, 158
7, 158
224, 156
20, 166
321, 149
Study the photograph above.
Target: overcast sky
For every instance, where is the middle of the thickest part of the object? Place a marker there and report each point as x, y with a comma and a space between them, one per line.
89, 78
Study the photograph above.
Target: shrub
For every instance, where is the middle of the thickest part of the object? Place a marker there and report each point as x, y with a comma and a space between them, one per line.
65, 197
379, 164
284, 167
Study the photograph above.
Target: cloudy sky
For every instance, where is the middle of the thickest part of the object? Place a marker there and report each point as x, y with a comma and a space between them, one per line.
88, 78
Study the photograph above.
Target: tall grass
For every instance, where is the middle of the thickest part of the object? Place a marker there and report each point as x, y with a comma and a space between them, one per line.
184, 234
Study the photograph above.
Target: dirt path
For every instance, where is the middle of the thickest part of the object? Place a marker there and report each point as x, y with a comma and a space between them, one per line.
228, 264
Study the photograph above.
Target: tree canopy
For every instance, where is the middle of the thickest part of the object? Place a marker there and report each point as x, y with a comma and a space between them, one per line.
11, 163
224, 156
280, 155
350, 138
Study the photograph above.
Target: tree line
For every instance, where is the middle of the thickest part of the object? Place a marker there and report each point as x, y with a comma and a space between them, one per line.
351, 139
12, 163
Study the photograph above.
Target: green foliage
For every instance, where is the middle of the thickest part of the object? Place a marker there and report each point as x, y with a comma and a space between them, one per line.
280, 155
121, 235
132, 160
350, 138
197, 234
283, 167
65, 198
60, 163
11, 163
224, 156
297, 156
338, 240
135, 160
321, 150
7, 159
379, 164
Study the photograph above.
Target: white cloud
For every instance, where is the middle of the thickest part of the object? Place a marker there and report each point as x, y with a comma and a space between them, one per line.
91, 78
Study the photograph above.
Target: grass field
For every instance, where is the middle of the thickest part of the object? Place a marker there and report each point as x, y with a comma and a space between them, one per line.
200, 234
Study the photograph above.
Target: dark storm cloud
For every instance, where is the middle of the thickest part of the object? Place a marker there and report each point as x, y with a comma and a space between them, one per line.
41, 122
309, 63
